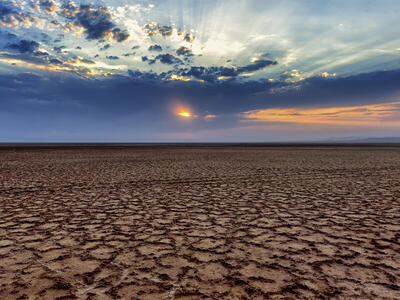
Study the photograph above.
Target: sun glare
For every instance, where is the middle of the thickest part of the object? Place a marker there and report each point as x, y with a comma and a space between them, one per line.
184, 113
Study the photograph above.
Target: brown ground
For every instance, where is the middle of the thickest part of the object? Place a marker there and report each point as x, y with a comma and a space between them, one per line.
200, 223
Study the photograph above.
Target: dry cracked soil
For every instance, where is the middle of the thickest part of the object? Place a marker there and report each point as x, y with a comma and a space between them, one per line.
200, 222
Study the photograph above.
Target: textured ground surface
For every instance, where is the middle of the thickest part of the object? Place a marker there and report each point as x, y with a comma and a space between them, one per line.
222, 223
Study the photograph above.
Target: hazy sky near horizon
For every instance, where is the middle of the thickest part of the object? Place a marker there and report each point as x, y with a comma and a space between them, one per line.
186, 70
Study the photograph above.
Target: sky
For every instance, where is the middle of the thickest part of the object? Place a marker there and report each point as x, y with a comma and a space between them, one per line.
198, 71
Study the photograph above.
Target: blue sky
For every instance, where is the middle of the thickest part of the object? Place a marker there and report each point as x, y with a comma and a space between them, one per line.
198, 70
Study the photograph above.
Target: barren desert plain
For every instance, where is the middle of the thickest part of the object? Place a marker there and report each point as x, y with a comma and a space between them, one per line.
200, 222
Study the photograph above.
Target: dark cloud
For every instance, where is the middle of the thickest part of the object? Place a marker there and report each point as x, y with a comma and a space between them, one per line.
156, 48
11, 35
96, 20
13, 18
29, 57
165, 30
168, 59
120, 35
257, 65
86, 61
24, 46
266, 55
69, 10
105, 47
150, 61
47, 6
55, 61
211, 74
153, 29
40, 53
183, 51
7, 14
143, 76
5, 11
55, 22
45, 37
46, 61
112, 57
188, 37
59, 49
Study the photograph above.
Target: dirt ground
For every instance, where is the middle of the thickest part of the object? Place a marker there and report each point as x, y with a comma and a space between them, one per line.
200, 223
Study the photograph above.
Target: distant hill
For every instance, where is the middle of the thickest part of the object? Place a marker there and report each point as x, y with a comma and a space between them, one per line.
369, 140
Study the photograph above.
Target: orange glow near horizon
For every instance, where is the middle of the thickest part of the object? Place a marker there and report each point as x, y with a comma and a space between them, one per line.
351, 115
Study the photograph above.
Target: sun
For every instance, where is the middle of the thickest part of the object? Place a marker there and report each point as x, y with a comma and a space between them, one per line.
184, 113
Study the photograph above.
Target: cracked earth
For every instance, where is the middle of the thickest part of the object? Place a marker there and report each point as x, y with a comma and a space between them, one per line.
200, 223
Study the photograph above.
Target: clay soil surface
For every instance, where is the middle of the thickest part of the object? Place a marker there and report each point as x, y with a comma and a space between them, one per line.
200, 222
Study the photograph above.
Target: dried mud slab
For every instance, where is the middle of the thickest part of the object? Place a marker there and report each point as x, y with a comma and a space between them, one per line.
200, 223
